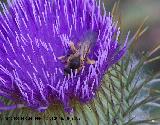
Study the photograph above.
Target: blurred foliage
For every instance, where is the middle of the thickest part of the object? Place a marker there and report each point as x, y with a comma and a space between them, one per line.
132, 13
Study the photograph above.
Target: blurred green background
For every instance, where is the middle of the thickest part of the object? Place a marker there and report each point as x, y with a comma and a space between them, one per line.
133, 12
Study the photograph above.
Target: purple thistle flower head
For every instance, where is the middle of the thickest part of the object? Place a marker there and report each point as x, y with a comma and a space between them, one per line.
39, 41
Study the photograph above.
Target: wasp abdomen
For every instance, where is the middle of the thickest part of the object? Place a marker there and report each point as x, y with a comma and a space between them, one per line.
75, 63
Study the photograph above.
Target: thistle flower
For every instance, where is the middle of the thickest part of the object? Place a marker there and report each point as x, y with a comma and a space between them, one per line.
33, 34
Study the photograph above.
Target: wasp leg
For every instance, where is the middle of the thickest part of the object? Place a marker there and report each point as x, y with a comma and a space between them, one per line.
80, 68
89, 61
61, 57
73, 48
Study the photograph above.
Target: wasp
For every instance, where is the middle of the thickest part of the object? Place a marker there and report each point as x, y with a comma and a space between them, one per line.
77, 58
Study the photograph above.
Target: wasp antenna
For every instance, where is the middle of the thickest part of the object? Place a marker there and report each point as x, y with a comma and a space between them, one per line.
89, 61
73, 48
